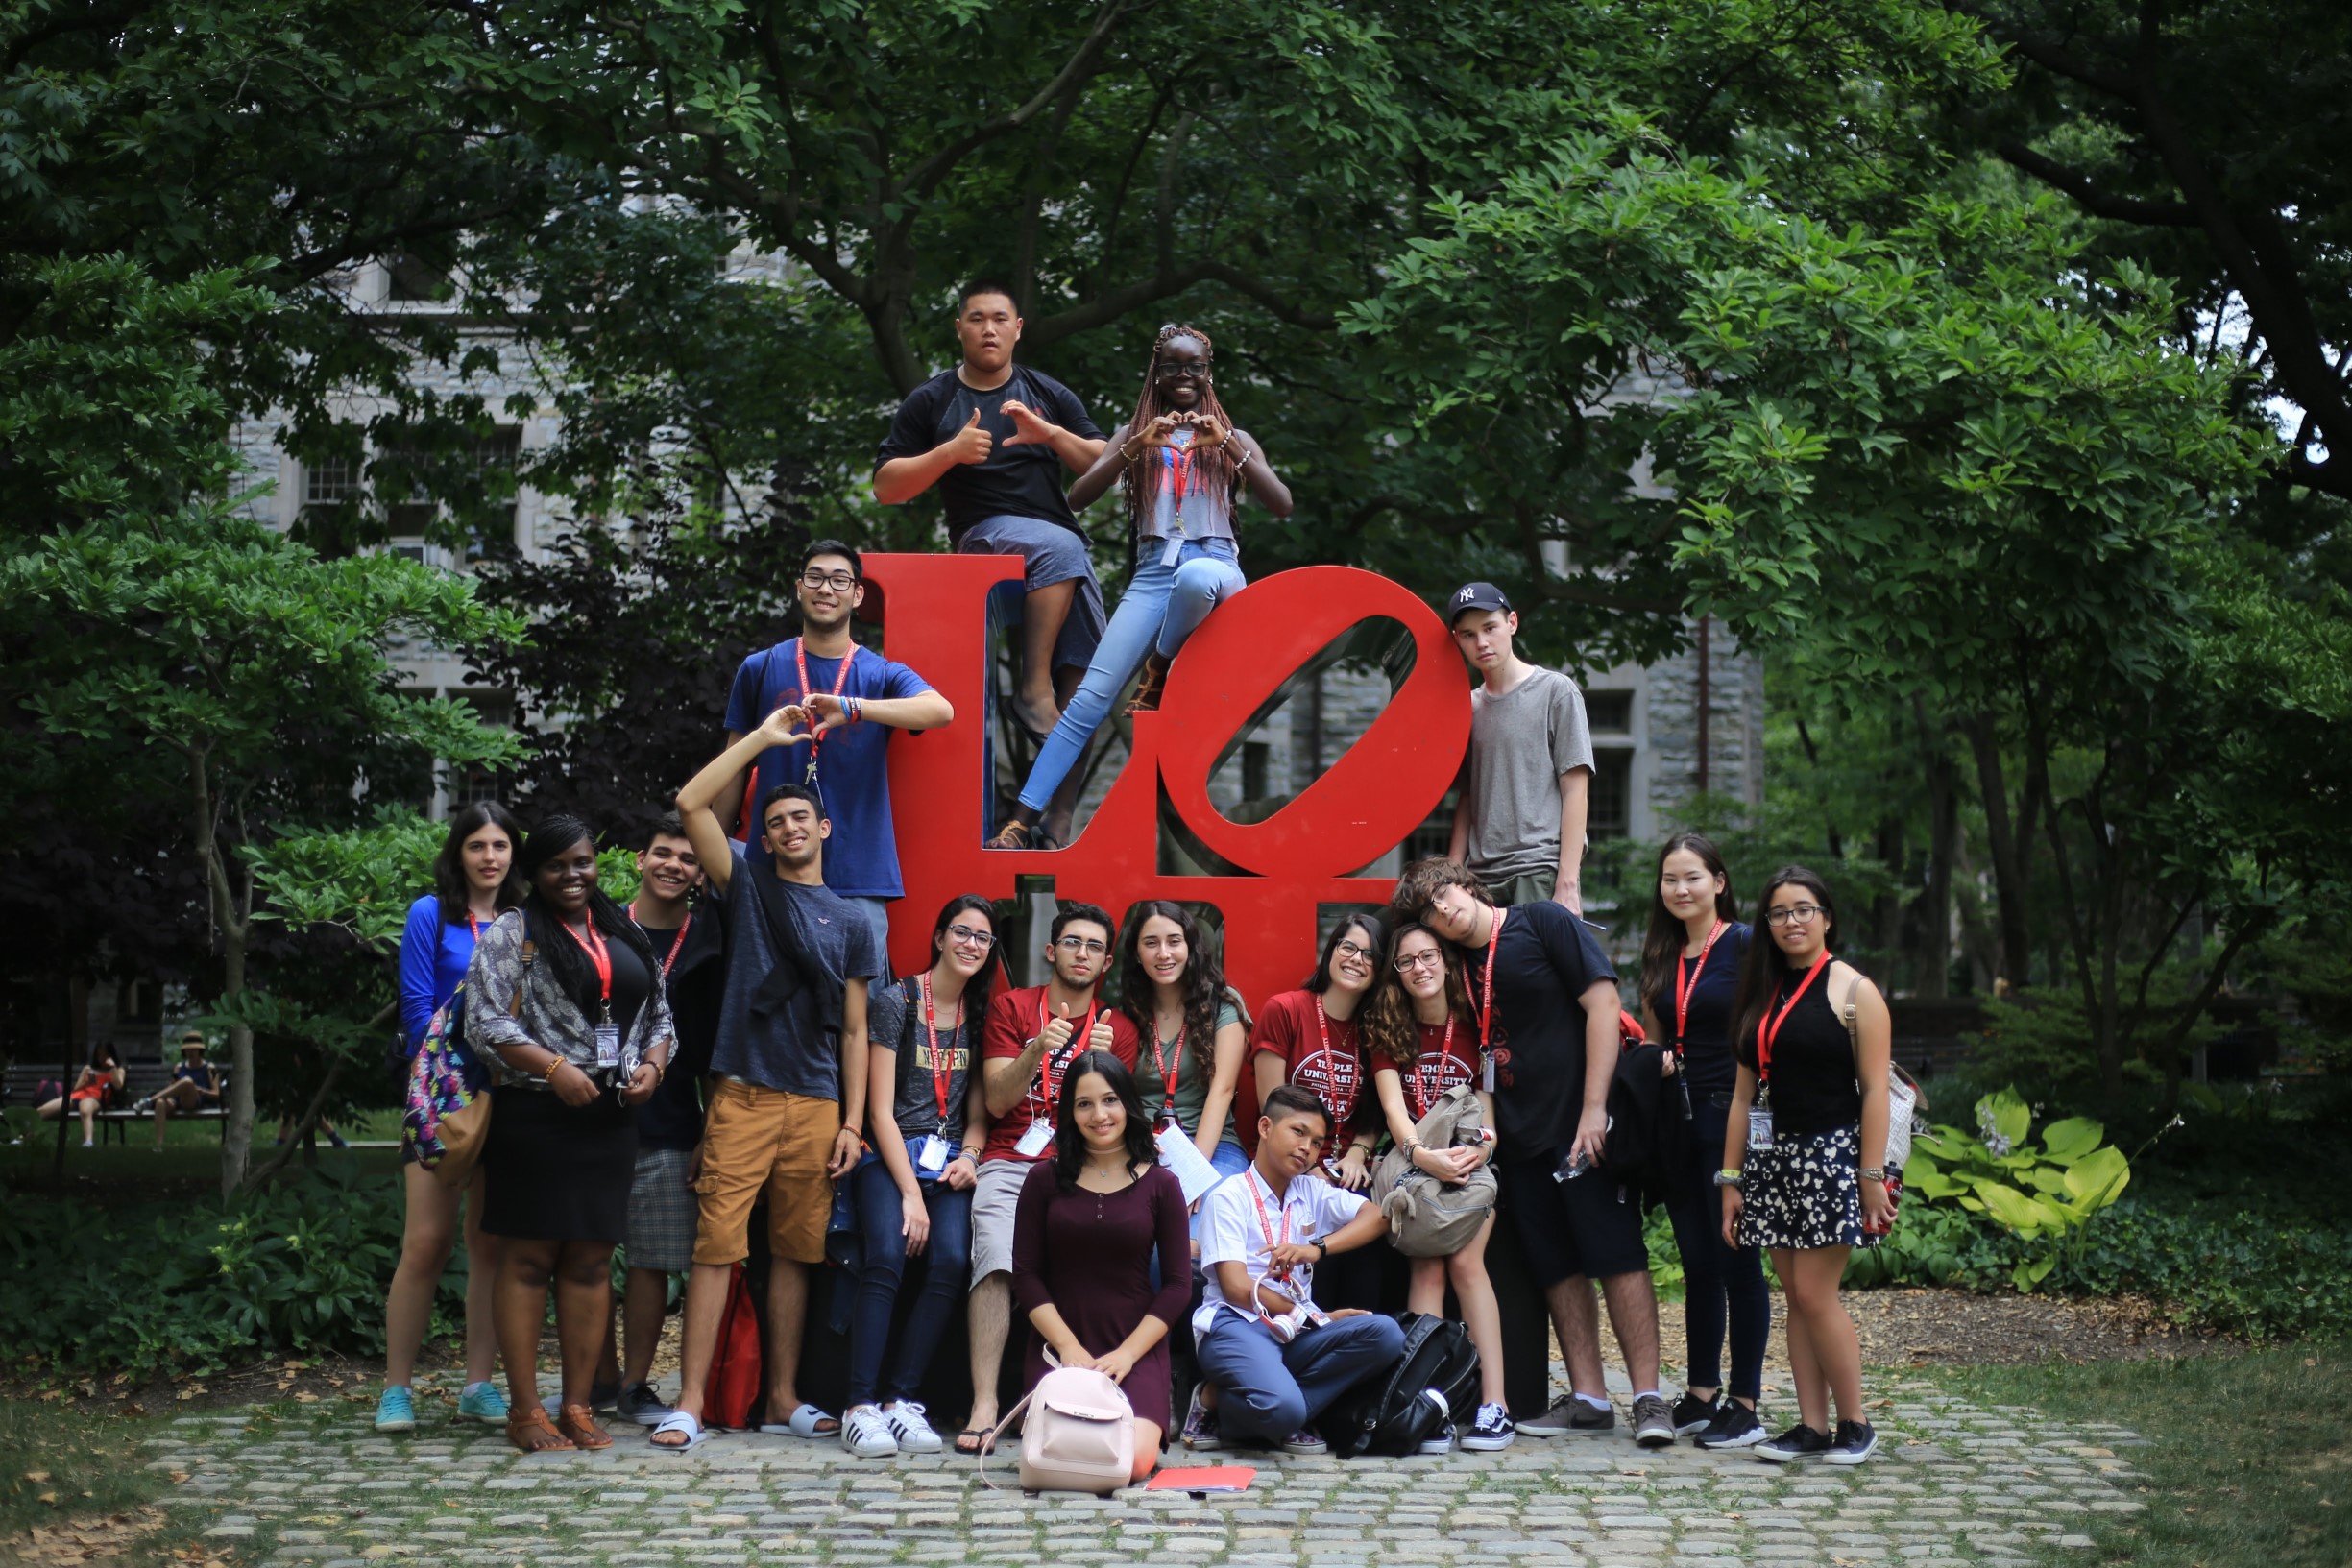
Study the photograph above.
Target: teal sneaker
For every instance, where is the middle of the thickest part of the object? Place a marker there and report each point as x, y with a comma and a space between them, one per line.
482, 1402
396, 1410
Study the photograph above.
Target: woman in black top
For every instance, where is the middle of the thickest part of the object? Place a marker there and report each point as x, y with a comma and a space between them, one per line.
913, 1190
1689, 977
567, 993
1803, 1158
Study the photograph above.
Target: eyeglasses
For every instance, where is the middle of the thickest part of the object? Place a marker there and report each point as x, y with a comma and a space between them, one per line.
1081, 944
1174, 372
1426, 958
840, 582
966, 937
1801, 913
1347, 947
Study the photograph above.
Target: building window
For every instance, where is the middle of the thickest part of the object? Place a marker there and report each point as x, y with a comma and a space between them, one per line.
1433, 837
330, 482
1609, 805
413, 280
1257, 755
1610, 713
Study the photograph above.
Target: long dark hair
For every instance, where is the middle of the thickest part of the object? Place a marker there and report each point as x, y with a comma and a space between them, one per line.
1668, 936
564, 957
1759, 978
449, 865
975, 989
1390, 1028
1214, 470
1070, 1144
1364, 920
1204, 983
102, 1054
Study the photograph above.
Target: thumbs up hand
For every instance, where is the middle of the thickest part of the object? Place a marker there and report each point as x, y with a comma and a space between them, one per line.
971, 444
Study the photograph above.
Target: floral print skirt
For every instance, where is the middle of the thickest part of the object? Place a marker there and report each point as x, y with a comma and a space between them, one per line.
1802, 1191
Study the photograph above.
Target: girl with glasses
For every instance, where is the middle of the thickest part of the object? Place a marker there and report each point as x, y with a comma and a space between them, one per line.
1424, 1044
1193, 1025
1690, 965
1804, 1159
911, 1191
1185, 468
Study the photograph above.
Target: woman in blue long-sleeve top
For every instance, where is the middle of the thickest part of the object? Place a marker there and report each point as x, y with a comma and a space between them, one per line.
472, 881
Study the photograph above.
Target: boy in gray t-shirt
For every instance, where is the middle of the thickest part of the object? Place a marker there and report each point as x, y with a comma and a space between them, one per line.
1519, 823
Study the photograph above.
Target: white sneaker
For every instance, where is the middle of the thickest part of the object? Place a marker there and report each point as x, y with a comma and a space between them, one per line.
907, 1423
867, 1435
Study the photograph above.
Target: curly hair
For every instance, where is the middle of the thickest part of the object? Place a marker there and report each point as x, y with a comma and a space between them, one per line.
1204, 982
1423, 880
1390, 1028
1215, 467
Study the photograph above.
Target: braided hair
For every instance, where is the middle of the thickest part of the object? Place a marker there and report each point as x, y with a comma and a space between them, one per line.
1213, 469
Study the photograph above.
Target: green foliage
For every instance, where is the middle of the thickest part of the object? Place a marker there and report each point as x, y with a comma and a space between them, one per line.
2046, 1194
299, 1268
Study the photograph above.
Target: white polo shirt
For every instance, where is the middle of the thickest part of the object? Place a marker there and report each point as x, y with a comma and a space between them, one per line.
1237, 1215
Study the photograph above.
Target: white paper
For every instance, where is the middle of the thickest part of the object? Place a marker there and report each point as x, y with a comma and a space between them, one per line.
1182, 1155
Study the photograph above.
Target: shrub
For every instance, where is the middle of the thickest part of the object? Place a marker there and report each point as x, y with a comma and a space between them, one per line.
296, 1268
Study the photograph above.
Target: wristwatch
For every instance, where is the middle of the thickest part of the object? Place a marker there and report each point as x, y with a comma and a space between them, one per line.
1729, 1178
1322, 1248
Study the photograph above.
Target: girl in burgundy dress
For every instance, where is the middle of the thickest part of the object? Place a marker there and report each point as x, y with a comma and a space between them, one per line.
1092, 1219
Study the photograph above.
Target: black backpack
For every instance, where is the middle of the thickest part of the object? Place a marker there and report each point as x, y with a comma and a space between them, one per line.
1387, 1412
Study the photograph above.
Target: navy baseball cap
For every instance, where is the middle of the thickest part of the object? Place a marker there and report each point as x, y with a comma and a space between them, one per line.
1474, 597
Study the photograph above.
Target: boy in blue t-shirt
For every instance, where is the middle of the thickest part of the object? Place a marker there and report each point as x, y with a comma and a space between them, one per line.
857, 698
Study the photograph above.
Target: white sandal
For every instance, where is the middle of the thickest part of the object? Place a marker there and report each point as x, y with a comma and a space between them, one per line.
678, 1421
803, 1424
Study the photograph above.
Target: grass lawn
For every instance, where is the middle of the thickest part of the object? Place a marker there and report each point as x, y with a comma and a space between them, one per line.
132, 1169
58, 1464
2250, 1456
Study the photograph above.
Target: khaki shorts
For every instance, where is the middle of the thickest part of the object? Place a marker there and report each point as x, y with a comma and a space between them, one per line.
996, 1199
755, 1138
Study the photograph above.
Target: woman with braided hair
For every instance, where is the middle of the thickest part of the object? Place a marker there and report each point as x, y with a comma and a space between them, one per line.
1184, 466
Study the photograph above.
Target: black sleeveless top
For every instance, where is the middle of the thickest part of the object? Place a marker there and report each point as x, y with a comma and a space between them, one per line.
1812, 1087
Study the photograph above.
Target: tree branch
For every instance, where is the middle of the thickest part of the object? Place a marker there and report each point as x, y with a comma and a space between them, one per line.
932, 170
2089, 198
316, 1110
1117, 303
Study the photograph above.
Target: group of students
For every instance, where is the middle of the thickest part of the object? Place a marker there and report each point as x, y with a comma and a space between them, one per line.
734, 1036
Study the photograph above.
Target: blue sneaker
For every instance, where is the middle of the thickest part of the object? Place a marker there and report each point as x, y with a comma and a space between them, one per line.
396, 1410
482, 1402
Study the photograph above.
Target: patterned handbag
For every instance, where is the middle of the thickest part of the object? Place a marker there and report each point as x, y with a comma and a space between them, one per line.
448, 1116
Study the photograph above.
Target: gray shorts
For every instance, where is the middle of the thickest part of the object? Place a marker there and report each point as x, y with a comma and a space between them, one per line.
996, 1198
1050, 553
662, 1212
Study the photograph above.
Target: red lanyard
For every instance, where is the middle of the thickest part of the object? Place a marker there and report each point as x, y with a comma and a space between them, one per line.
1486, 987
601, 955
1048, 1067
1266, 1225
1425, 1090
475, 926
942, 1067
1769, 1028
1322, 1029
1168, 1075
676, 943
1179, 476
1686, 980
840, 679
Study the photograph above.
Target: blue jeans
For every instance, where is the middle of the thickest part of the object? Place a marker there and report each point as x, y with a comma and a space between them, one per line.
948, 1256
1271, 1389
1163, 604
1719, 1282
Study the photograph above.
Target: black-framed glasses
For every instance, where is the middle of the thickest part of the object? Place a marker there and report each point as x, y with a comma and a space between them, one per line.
1081, 944
1347, 947
840, 582
1177, 371
1426, 958
1801, 913
966, 936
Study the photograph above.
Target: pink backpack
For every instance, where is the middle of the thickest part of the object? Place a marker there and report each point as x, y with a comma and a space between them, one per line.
1080, 1436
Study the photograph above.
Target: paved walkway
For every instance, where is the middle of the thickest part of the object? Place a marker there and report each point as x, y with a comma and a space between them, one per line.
1953, 1484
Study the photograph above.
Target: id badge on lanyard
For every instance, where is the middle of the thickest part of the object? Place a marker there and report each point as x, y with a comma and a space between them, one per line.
608, 1045
1033, 1141
1759, 1127
931, 1154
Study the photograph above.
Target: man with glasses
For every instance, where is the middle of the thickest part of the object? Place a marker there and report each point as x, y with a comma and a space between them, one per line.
854, 698
1554, 1024
1027, 1044
995, 438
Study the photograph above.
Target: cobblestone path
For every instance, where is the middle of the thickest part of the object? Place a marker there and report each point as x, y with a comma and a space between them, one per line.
1953, 1482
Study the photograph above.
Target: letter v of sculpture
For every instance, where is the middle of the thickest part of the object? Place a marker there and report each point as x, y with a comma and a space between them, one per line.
934, 612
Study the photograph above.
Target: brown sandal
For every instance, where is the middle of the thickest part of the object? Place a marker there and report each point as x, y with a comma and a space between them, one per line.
579, 1424
1013, 835
1149, 685
530, 1431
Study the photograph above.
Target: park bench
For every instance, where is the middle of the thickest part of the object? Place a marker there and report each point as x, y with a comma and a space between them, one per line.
141, 1079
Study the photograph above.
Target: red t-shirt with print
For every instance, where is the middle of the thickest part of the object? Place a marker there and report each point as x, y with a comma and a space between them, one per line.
1015, 1018
1321, 1054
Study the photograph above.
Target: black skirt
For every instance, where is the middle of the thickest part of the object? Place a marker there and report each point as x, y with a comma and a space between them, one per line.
554, 1174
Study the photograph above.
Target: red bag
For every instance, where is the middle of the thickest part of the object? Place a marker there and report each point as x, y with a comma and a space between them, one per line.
734, 1385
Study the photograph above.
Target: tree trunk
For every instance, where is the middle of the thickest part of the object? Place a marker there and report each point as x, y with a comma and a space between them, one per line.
2003, 845
1934, 977
234, 927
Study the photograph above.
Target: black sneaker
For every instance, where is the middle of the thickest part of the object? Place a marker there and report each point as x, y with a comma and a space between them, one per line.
1855, 1442
1692, 1413
1798, 1442
1734, 1426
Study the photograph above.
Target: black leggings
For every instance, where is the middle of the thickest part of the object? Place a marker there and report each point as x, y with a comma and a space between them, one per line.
1719, 1282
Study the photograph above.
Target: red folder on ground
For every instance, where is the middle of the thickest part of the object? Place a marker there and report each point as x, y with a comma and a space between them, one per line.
1209, 1478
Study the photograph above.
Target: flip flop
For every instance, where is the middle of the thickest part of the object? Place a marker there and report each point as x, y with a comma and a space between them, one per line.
808, 1421
980, 1437
678, 1421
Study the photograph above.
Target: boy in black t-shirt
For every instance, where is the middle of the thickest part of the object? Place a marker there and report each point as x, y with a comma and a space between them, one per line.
995, 438
1553, 1030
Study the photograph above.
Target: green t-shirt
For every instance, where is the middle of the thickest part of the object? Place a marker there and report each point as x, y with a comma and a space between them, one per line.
1194, 1067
